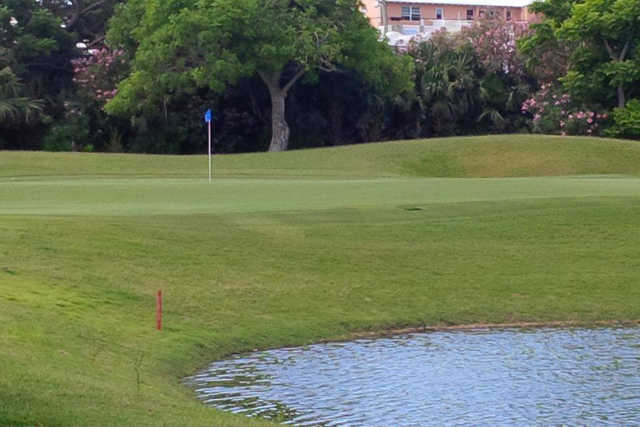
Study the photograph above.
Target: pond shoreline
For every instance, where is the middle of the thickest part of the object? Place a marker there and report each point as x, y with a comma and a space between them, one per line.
389, 332
480, 325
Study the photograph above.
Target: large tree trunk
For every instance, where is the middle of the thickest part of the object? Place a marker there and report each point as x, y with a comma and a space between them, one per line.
279, 126
619, 58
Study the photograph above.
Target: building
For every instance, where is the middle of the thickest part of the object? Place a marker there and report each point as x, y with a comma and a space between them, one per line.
402, 20
372, 10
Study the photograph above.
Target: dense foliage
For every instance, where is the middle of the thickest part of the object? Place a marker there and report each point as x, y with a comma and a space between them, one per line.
136, 76
35, 55
589, 50
191, 45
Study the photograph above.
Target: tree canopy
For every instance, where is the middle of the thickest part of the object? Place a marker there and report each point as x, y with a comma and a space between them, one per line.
187, 44
35, 54
608, 55
591, 45
165, 61
13, 106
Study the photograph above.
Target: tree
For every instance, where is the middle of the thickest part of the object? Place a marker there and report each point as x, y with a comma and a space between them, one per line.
37, 51
547, 55
35, 45
472, 81
591, 46
13, 106
86, 18
504, 82
446, 86
612, 26
186, 44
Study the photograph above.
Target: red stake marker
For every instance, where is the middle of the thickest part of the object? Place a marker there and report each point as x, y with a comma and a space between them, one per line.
159, 311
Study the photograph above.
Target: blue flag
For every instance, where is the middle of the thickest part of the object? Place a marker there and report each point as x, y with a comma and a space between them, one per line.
208, 116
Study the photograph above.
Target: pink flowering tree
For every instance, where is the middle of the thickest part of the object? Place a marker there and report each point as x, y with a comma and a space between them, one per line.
98, 73
503, 79
554, 112
494, 41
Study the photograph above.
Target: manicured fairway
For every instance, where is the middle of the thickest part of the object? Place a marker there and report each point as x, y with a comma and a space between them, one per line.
289, 249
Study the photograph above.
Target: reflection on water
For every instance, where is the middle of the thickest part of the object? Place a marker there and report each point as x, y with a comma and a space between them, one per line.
542, 376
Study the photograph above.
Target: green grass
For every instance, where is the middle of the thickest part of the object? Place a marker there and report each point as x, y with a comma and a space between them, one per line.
464, 157
287, 249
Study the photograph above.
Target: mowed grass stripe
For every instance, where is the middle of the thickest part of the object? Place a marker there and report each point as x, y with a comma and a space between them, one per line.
185, 197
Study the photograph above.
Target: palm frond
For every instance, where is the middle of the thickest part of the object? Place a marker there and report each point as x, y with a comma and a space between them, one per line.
14, 107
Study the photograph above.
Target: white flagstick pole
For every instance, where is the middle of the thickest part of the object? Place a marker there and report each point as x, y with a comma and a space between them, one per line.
209, 124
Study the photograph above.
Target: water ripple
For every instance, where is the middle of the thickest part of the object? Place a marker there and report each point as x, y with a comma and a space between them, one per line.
483, 377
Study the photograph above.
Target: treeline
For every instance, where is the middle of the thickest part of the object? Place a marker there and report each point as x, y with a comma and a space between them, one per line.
111, 76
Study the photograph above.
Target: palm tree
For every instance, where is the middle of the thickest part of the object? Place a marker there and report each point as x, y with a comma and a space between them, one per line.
13, 107
446, 85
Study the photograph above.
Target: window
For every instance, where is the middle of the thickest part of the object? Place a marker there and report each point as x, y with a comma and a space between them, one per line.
469, 14
439, 13
410, 13
415, 13
508, 15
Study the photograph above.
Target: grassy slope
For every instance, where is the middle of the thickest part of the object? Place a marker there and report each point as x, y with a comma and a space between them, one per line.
248, 263
489, 156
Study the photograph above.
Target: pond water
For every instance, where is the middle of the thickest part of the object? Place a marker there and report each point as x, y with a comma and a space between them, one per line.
481, 377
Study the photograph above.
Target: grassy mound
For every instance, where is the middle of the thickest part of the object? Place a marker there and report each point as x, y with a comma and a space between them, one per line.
463, 157
288, 249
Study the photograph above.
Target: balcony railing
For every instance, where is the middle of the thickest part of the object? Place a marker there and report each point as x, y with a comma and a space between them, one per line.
425, 26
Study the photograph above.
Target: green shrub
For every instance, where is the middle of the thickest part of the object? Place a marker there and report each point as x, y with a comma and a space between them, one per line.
68, 136
58, 139
626, 121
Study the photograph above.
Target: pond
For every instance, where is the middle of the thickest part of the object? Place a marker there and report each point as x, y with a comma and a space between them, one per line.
480, 377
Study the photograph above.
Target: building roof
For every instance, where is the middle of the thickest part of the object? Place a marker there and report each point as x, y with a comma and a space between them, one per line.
488, 3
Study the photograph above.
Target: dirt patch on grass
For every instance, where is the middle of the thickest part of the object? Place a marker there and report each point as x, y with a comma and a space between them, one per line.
476, 326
